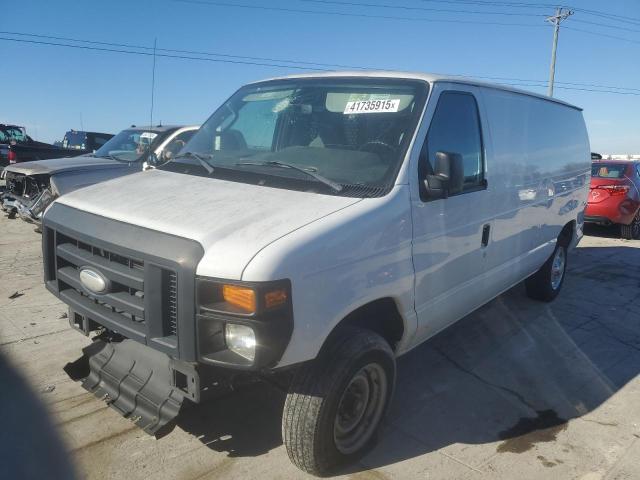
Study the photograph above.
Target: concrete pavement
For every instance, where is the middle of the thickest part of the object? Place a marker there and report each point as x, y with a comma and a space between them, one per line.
518, 389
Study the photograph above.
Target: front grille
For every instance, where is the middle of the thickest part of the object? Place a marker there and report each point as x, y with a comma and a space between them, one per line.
123, 308
27, 187
152, 273
170, 310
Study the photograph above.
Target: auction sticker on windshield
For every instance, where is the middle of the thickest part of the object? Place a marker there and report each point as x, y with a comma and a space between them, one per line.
372, 106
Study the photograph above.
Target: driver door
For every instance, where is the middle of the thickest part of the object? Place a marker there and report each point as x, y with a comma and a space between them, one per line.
451, 235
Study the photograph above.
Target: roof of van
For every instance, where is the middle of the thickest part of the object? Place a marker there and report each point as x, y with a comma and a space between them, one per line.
426, 77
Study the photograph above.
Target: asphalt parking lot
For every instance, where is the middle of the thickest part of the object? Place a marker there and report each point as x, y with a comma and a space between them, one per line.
518, 389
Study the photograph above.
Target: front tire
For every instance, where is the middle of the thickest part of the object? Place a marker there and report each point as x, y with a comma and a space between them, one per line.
335, 403
545, 284
631, 231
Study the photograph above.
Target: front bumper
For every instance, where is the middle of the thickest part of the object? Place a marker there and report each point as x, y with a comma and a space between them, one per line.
9, 203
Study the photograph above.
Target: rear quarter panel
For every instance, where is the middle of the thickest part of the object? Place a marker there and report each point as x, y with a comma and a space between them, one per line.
539, 172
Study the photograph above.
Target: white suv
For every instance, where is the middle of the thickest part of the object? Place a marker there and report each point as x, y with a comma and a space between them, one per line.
314, 229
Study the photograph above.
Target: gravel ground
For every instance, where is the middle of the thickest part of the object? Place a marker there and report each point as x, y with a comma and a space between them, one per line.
516, 389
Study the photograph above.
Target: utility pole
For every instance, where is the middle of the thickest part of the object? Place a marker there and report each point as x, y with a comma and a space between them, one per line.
561, 14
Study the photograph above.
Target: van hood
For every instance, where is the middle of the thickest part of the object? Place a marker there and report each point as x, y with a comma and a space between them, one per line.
232, 221
58, 165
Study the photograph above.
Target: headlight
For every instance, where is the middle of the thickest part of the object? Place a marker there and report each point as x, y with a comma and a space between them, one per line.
41, 204
241, 340
243, 324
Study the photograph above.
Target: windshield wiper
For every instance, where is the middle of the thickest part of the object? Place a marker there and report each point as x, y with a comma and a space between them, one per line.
206, 165
111, 157
274, 163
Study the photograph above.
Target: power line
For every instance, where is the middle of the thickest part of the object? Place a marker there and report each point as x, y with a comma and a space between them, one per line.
265, 61
608, 16
474, 12
406, 7
603, 35
604, 25
349, 14
191, 52
390, 17
543, 83
494, 3
131, 52
596, 13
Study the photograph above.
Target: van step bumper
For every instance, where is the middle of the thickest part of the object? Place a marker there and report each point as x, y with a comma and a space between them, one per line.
136, 381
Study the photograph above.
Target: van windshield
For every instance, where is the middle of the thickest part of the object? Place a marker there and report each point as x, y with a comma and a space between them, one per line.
340, 136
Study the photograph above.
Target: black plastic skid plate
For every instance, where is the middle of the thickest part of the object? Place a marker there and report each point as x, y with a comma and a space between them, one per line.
134, 380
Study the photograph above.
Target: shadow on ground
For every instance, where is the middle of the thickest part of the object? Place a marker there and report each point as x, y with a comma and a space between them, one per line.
595, 230
514, 371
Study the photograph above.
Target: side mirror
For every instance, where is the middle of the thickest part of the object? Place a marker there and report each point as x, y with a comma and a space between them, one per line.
448, 177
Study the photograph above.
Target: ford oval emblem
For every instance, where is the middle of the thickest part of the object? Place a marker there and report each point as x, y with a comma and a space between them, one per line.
93, 281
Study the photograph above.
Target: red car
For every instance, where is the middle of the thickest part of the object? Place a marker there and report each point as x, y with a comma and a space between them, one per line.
614, 197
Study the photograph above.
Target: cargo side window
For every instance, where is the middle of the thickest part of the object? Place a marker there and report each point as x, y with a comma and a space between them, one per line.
455, 128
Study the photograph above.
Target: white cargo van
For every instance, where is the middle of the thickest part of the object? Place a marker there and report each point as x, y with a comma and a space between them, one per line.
315, 228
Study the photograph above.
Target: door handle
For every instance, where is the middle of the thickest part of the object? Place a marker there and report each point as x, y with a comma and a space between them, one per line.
486, 228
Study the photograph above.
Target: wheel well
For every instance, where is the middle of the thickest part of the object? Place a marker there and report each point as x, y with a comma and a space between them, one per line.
567, 233
381, 316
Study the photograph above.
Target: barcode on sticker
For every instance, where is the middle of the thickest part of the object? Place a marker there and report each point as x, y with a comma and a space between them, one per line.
372, 106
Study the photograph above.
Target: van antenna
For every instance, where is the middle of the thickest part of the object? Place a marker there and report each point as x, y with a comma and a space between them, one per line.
153, 80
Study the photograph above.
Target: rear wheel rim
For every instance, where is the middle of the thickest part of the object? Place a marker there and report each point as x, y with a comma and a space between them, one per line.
635, 226
360, 408
557, 268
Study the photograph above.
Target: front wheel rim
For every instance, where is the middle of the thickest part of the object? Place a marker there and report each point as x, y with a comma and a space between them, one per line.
360, 408
557, 268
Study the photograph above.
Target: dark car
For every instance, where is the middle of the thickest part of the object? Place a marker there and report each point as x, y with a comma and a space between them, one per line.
16, 147
90, 141
614, 197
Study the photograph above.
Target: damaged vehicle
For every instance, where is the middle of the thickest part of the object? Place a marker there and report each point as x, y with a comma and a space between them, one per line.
314, 229
32, 186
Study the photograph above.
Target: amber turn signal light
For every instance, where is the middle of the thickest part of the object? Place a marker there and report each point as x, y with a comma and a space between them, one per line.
240, 297
275, 298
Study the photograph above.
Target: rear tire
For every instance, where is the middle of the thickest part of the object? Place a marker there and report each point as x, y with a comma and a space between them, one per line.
631, 231
335, 403
545, 284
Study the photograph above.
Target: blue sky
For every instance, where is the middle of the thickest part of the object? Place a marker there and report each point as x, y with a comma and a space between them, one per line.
49, 89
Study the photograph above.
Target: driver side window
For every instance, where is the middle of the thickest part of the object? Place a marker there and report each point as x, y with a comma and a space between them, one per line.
179, 141
455, 128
